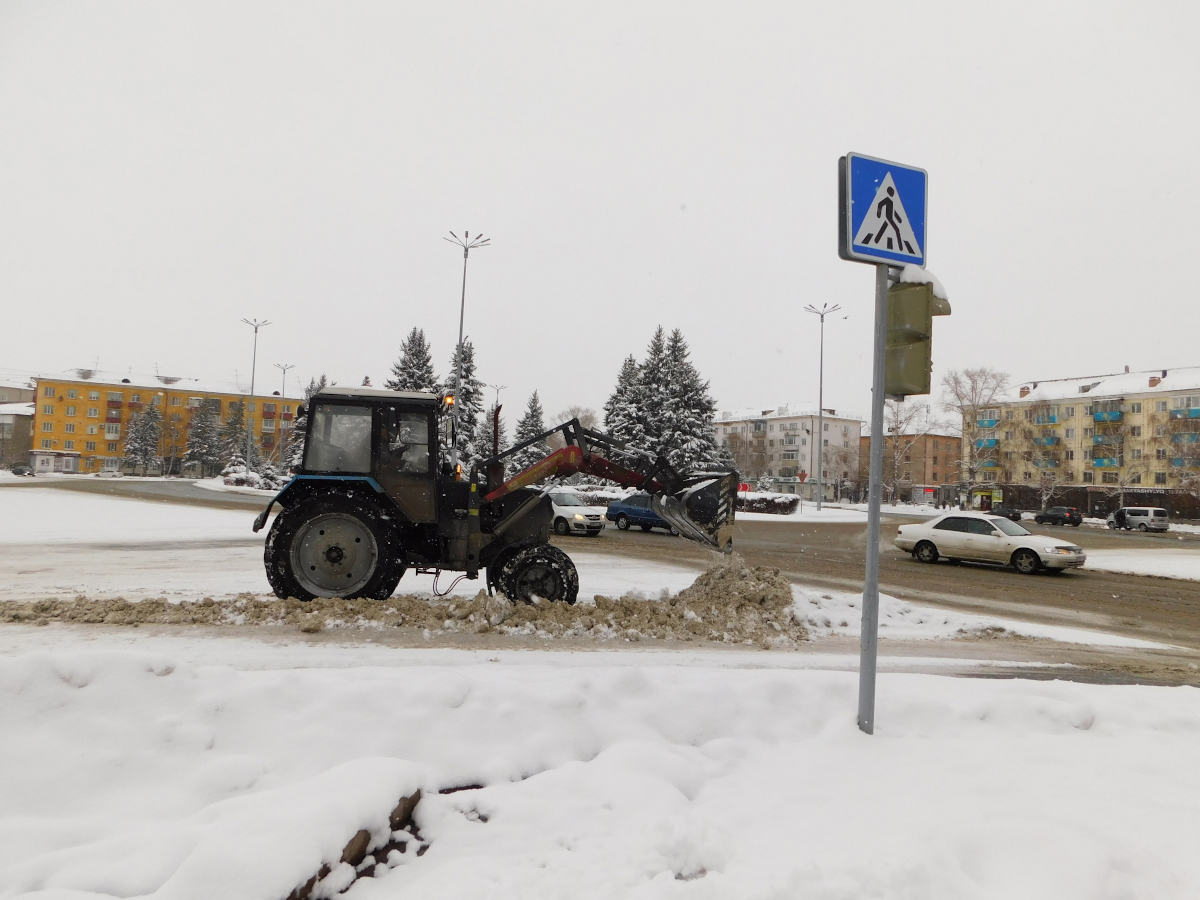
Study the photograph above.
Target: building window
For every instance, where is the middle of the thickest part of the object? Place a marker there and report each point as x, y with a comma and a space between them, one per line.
1109, 477
1135, 407
1088, 432
1135, 478
115, 396
93, 429
47, 392
1135, 430
135, 398
1070, 454
45, 444
175, 401
1087, 477
68, 445
1160, 477
1160, 405
69, 428
112, 446
93, 412
1135, 453
1070, 412
93, 395
1160, 454
47, 426
1068, 433
71, 411
48, 409
112, 430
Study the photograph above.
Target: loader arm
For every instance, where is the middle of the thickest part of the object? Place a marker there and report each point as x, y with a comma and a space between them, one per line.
700, 506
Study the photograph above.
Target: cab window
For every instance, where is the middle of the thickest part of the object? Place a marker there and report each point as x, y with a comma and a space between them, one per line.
339, 439
404, 442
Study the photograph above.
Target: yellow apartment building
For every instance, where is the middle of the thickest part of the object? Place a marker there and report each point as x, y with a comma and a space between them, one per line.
81, 419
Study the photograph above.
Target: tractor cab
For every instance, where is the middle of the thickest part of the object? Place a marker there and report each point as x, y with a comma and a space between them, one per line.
389, 437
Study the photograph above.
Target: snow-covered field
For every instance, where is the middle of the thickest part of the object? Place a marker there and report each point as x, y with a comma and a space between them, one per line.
175, 764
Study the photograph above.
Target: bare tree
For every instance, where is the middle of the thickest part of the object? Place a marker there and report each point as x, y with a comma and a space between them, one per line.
1037, 457
972, 395
904, 423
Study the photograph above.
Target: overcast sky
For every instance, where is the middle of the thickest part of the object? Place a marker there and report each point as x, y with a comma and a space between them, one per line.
167, 169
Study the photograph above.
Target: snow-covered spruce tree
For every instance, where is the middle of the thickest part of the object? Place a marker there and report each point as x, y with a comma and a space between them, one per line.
294, 454
687, 435
531, 424
468, 404
413, 371
622, 417
145, 429
204, 442
233, 433
653, 391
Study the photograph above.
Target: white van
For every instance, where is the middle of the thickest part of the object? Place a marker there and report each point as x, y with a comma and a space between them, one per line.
1143, 518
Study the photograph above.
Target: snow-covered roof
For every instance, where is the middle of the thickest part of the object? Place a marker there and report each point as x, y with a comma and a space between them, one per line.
263, 387
1151, 381
17, 409
790, 410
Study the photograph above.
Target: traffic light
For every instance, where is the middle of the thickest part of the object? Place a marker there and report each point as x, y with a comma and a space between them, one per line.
911, 308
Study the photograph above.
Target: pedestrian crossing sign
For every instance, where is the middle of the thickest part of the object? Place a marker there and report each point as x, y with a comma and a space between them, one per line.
881, 211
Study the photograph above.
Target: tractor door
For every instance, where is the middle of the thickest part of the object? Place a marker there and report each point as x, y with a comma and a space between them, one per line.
405, 458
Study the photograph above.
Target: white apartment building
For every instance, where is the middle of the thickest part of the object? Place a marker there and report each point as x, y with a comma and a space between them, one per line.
781, 444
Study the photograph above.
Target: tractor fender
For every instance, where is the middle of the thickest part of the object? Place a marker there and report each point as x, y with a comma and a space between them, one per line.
302, 487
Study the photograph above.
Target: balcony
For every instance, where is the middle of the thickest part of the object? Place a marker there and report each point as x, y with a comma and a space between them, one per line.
1192, 413
268, 414
1047, 463
1109, 440
287, 417
1106, 462
985, 442
115, 404
1185, 462
1049, 441
989, 464
1048, 419
1185, 437
987, 423
1107, 415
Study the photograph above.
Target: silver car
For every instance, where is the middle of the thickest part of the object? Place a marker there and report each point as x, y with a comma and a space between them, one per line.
980, 537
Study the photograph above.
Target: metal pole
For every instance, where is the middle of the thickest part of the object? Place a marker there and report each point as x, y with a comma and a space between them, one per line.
869, 635
255, 324
467, 243
821, 313
821, 417
283, 367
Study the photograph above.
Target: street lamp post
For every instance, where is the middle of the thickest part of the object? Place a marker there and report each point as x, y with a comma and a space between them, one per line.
468, 244
255, 324
821, 313
282, 367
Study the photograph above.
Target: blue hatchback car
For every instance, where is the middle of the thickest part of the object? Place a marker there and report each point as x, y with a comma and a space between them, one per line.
635, 510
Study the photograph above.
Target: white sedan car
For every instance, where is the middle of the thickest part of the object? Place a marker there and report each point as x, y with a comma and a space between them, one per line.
573, 516
980, 537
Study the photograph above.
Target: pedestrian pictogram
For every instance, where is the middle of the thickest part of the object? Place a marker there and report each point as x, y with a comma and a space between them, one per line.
881, 211
886, 223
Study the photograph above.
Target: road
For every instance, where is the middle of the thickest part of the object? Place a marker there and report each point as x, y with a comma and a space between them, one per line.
832, 555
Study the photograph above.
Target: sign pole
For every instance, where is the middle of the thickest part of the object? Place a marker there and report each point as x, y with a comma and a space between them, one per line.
869, 635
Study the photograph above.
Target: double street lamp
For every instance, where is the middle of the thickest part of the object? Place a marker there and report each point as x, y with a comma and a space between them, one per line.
468, 244
821, 313
255, 324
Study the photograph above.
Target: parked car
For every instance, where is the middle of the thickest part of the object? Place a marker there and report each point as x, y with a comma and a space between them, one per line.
573, 516
982, 537
1143, 518
635, 510
1059, 515
1009, 512
22, 469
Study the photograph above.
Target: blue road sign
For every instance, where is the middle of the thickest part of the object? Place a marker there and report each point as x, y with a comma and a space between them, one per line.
881, 214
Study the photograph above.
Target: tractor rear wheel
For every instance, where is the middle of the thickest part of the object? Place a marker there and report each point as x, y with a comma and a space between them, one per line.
540, 571
332, 547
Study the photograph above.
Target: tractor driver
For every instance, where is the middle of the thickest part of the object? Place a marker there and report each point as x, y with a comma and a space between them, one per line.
405, 443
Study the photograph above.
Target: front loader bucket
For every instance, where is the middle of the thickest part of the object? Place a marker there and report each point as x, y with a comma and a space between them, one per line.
703, 512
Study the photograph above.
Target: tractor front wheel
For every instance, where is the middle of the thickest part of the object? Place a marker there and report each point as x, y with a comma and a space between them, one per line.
332, 547
540, 571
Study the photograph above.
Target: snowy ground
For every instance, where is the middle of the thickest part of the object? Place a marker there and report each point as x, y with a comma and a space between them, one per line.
172, 764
